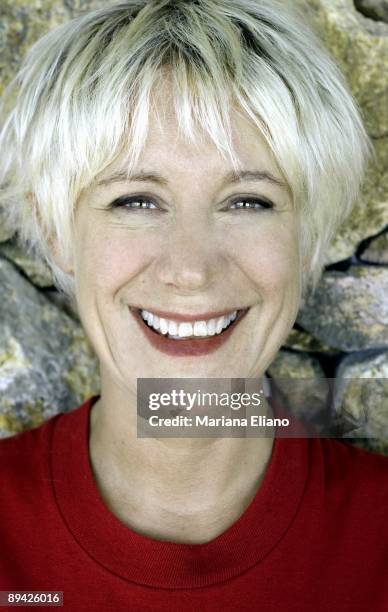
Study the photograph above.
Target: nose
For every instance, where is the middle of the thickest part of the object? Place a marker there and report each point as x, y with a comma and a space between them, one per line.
193, 258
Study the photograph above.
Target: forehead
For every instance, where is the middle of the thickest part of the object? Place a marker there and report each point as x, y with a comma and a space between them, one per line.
166, 143
168, 149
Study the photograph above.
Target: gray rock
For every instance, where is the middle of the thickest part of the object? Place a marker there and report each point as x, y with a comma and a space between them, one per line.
34, 268
373, 9
5, 232
302, 383
22, 23
349, 310
377, 251
299, 340
46, 363
63, 302
361, 395
370, 444
360, 48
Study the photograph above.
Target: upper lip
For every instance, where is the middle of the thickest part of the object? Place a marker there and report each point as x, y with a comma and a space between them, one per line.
175, 316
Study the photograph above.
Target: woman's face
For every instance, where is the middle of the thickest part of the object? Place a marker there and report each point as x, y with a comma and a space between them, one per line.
191, 251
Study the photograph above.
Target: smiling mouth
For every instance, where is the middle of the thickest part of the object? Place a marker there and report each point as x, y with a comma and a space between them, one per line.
201, 330
190, 341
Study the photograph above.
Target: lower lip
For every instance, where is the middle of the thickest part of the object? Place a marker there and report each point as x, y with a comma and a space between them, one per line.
190, 347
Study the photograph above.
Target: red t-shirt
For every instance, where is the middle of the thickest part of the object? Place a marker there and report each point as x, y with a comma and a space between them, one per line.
315, 537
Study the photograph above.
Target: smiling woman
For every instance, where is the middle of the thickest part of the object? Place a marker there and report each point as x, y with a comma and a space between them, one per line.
182, 167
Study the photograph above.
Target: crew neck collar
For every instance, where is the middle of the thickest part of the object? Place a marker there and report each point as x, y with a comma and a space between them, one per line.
163, 564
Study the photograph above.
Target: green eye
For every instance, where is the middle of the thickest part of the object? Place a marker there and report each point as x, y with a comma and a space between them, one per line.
133, 203
251, 204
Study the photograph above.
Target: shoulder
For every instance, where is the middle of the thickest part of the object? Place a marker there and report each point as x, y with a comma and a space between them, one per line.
25, 457
25, 476
26, 471
347, 461
27, 441
353, 479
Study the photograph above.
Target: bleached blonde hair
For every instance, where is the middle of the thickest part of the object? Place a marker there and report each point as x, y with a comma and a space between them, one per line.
82, 97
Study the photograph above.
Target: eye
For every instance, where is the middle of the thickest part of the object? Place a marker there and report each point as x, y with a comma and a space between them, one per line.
134, 203
144, 203
251, 204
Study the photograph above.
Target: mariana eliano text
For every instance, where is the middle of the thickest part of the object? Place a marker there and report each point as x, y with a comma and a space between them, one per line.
254, 420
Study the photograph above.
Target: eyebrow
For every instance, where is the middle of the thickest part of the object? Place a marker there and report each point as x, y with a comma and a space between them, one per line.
250, 176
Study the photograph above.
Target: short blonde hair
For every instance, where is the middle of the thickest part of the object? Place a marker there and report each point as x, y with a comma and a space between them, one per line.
82, 97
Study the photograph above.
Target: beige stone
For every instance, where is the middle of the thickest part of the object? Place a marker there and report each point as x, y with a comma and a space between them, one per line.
302, 382
377, 251
349, 310
36, 270
371, 444
374, 9
360, 48
46, 362
300, 340
24, 21
361, 395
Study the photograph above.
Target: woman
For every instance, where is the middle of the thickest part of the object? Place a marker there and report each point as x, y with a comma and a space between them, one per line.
183, 166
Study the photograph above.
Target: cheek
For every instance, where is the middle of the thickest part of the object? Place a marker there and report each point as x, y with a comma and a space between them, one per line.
109, 259
270, 257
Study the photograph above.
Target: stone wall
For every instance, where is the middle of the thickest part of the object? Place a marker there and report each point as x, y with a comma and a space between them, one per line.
341, 334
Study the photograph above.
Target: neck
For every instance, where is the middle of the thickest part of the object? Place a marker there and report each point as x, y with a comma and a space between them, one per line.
185, 490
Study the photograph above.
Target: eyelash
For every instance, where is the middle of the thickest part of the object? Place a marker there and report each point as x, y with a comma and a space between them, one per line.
124, 200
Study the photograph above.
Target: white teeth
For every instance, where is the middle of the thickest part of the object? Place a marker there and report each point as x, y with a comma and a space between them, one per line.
220, 324
184, 330
211, 327
163, 326
200, 328
172, 328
